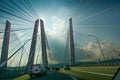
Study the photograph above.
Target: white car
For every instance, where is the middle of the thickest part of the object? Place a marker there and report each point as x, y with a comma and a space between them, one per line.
37, 70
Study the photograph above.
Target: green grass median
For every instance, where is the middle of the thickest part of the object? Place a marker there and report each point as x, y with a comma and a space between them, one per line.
92, 73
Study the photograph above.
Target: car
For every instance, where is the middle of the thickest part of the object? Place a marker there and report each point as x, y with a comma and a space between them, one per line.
57, 68
67, 67
37, 70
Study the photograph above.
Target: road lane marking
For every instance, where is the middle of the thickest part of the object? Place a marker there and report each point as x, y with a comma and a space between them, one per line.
94, 73
73, 77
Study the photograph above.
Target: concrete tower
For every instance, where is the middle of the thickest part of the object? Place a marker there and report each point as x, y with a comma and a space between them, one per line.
43, 43
71, 44
33, 45
5, 46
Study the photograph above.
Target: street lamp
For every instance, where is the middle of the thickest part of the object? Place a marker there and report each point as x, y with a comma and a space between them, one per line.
99, 45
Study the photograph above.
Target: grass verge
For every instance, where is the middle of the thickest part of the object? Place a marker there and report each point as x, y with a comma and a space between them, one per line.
75, 71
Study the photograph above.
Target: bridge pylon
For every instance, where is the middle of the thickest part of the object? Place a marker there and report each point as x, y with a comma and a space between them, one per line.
33, 44
71, 43
5, 46
43, 44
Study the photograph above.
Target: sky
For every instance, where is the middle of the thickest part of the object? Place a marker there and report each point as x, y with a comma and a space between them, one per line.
87, 15
90, 17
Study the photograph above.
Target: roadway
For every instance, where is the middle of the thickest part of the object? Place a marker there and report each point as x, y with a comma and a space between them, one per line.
50, 75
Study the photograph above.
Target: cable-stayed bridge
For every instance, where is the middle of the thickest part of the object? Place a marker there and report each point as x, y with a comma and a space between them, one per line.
23, 49
44, 43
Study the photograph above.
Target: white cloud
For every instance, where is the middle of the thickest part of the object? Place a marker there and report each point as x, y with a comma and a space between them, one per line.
105, 44
19, 34
1, 40
50, 57
58, 29
93, 49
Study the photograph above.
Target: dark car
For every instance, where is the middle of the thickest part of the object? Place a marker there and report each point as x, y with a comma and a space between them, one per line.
57, 68
67, 67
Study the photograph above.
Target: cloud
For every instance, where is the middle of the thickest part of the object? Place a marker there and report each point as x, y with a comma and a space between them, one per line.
19, 34
58, 29
105, 44
93, 50
51, 60
1, 40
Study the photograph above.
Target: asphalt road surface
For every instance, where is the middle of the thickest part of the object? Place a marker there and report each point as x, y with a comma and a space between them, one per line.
54, 76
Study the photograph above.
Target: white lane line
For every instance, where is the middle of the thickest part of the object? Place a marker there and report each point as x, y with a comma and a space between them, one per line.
95, 73
73, 77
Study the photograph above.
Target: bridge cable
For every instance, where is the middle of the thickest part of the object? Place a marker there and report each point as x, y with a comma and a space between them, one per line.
19, 7
14, 9
28, 8
17, 44
16, 20
67, 47
3, 63
2, 10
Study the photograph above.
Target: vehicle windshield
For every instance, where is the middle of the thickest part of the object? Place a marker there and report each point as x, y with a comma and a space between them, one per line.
59, 39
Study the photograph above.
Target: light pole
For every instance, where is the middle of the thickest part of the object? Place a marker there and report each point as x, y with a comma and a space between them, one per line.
99, 45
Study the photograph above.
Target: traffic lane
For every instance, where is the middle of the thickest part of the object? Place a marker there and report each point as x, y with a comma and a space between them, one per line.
54, 75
